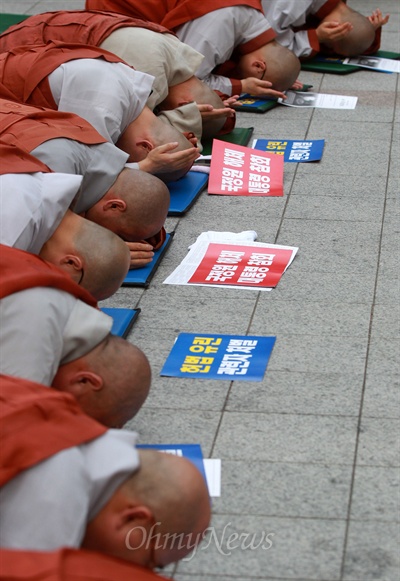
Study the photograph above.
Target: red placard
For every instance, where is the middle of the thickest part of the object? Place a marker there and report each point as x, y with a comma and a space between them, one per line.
249, 266
241, 171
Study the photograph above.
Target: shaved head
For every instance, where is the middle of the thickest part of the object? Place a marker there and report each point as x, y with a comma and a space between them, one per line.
166, 501
118, 377
179, 502
148, 132
195, 90
94, 257
359, 39
106, 259
141, 203
163, 133
282, 65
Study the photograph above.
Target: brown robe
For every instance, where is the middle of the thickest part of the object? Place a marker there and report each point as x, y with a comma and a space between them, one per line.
85, 27
69, 565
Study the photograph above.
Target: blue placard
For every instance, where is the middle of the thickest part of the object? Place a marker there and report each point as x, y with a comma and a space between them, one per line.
123, 319
213, 356
190, 451
184, 192
293, 150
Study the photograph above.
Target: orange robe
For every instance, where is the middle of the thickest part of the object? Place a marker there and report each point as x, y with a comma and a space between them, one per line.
69, 565
85, 27
169, 13
16, 160
28, 127
21, 270
37, 422
24, 71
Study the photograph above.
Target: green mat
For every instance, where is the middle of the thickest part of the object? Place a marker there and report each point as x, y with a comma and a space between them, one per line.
7, 20
334, 65
240, 136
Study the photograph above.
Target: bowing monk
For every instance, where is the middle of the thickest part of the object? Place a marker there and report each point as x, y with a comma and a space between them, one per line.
35, 217
131, 203
51, 333
149, 48
101, 88
238, 43
309, 27
141, 506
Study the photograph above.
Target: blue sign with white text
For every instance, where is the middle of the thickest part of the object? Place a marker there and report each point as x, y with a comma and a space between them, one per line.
213, 356
294, 151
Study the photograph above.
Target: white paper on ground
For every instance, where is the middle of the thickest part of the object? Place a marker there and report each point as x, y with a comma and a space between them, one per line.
320, 100
212, 467
374, 63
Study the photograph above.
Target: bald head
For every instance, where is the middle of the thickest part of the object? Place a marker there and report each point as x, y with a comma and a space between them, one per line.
161, 133
94, 257
135, 207
195, 90
182, 502
148, 132
359, 39
169, 506
282, 66
110, 383
106, 259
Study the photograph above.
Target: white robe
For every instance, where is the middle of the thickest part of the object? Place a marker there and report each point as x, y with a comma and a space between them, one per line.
216, 34
163, 56
169, 61
285, 15
108, 95
32, 207
99, 164
42, 328
49, 505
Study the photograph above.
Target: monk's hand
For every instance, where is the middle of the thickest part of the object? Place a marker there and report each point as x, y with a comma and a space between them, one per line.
231, 100
297, 85
208, 112
141, 253
163, 159
259, 88
377, 19
328, 32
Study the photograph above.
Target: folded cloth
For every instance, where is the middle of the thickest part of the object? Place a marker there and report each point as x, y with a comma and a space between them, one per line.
200, 168
212, 236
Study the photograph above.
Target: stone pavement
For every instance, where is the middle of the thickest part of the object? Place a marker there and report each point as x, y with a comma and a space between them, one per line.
310, 455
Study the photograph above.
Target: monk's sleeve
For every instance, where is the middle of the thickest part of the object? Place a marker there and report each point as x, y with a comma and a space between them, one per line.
34, 207
31, 338
286, 17
304, 43
46, 507
108, 95
216, 45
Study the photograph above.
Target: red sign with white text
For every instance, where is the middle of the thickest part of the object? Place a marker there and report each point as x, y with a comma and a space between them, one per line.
241, 171
249, 266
